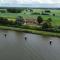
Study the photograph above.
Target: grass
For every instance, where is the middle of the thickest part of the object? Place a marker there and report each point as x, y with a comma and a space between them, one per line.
12, 16
31, 31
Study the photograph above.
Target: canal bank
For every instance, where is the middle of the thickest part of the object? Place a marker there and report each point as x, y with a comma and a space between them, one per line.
31, 31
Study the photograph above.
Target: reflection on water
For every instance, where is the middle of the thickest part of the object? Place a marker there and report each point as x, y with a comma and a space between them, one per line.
36, 47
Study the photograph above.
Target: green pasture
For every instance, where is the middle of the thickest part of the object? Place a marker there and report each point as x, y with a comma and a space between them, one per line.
28, 15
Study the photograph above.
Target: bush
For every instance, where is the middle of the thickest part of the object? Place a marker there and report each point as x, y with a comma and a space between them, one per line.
45, 14
35, 13
31, 10
47, 11
49, 20
53, 14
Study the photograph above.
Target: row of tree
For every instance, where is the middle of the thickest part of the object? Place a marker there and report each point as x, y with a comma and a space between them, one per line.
45, 24
20, 21
15, 10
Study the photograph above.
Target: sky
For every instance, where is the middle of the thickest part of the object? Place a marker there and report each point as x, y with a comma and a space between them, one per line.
30, 3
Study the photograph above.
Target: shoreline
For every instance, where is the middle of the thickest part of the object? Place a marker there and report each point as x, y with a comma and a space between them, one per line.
31, 31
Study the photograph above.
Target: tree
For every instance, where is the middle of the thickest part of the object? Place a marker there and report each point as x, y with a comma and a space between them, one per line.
3, 21
39, 19
53, 14
49, 20
31, 10
19, 20
45, 26
47, 11
15, 10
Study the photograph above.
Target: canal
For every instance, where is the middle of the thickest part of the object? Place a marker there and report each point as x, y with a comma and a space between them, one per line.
35, 47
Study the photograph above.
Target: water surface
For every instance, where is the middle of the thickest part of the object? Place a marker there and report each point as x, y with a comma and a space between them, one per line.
36, 47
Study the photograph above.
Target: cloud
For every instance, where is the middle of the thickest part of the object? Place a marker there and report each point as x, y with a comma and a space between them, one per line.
31, 2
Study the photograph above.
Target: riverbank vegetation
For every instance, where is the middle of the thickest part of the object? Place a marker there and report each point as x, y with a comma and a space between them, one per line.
43, 22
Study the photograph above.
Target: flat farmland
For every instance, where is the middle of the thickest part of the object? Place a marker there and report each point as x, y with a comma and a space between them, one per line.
29, 15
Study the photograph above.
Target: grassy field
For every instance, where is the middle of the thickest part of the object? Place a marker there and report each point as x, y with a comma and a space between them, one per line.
28, 15
31, 31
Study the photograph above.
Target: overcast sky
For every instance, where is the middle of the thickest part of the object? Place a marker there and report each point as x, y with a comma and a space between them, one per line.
18, 2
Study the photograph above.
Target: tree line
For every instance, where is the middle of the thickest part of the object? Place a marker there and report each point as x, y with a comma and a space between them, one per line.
45, 25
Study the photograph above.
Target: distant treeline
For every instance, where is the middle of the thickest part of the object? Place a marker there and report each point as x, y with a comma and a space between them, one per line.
19, 10
14, 10
28, 8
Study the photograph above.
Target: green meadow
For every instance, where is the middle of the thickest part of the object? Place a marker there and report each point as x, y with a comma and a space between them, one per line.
29, 15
